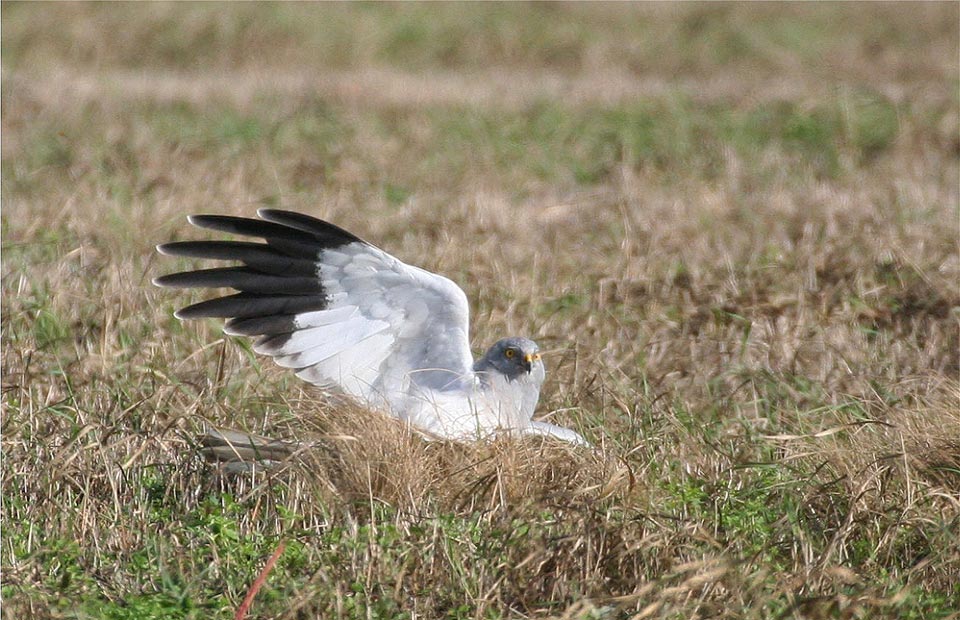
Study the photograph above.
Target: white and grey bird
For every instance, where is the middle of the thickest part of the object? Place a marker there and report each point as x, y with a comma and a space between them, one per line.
346, 315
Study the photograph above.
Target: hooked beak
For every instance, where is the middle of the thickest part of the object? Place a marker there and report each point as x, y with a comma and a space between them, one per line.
529, 359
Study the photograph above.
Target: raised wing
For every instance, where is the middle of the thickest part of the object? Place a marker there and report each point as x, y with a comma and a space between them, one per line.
337, 310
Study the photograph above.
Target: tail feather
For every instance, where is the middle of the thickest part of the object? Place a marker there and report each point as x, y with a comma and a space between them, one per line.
228, 446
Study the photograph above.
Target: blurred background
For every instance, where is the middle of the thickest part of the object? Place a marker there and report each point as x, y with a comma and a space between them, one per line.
432, 100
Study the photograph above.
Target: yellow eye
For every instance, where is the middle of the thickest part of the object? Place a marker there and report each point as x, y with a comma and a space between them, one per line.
536, 356
509, 353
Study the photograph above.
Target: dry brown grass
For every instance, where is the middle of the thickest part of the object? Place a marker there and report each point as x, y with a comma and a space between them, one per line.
759, 332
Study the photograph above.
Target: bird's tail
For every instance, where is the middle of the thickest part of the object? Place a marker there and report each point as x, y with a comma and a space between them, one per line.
241, 451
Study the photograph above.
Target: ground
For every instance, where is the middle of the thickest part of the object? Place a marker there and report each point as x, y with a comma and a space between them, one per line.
732, 228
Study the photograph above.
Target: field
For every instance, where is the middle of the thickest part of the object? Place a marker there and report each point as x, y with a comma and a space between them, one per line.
734, 229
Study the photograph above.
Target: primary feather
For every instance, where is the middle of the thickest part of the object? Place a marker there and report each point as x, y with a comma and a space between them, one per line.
344, 314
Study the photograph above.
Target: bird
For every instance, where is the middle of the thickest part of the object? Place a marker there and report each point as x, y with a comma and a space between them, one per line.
348, 317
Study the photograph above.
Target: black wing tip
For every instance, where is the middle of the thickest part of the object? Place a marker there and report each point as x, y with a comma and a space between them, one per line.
294, 224
199, 310
181, 279
269, 214
167, 249
206, 220
266, 213
239, 307
331, 234
163, 281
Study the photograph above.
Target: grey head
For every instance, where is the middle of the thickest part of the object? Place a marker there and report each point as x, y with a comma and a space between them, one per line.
518, 361
515, 358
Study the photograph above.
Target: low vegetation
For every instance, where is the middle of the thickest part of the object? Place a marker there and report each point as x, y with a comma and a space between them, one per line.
733, 229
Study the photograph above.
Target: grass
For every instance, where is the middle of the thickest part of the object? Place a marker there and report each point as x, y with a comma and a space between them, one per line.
735, 229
